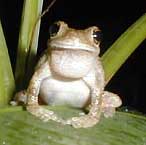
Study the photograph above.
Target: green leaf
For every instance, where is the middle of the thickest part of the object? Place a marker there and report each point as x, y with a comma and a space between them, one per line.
21, 128
123, 47
28, 41
7, 84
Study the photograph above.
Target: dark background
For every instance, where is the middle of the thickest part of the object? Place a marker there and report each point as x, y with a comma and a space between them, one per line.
113, 18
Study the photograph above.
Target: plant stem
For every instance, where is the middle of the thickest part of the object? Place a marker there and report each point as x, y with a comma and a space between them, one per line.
26, 50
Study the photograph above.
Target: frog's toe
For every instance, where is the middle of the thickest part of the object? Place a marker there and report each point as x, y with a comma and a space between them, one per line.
83, 121
108, 112
44, 114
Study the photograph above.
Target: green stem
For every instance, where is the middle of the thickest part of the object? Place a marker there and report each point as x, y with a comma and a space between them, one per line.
27, 50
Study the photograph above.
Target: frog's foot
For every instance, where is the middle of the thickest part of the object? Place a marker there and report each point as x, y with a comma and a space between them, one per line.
44, 114
109, 102
108, 112
20, 98
83, 121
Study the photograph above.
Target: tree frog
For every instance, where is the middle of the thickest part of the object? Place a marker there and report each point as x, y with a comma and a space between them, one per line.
70, 73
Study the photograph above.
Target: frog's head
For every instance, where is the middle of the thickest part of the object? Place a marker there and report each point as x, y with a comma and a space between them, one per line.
63, 37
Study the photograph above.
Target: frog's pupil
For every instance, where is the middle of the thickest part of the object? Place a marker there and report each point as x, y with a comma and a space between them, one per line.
97, 35
53, 29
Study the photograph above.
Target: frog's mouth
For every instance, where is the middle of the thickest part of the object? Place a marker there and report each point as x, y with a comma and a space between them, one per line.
68, 46
70, 49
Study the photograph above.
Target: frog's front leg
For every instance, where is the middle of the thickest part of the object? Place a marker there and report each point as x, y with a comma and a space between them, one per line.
95, 81
32, 93
104, 101
92, 118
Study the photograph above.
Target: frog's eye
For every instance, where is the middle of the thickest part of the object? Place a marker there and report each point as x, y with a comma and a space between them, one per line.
53, 30
97, 36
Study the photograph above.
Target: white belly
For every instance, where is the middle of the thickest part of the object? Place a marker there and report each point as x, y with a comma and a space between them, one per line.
57, 92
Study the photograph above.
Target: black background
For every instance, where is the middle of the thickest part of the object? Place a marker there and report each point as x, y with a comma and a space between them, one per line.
113, 18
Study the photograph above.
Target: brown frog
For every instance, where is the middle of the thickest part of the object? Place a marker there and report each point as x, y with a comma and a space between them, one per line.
70, 73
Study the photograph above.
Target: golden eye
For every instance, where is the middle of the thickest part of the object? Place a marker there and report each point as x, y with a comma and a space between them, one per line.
97, 36
53, 29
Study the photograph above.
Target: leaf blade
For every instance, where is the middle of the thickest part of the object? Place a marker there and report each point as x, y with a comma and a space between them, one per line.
23, 128
7, 83
123, 47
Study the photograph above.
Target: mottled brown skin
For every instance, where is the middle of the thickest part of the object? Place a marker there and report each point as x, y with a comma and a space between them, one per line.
70, 72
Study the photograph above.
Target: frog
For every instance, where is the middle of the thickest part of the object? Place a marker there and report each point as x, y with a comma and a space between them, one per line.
70, 72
